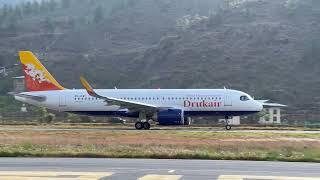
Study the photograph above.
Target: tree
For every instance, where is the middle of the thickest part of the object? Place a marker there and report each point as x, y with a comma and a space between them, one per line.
44, 5
35, 7
5, 10
72, 118
98, 14
132, 3
48, 24
65, 4
215, 19
53, 4
45, 116
18, 12
27, 8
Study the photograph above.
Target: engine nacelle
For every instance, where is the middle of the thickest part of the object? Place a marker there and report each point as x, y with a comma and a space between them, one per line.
170, 117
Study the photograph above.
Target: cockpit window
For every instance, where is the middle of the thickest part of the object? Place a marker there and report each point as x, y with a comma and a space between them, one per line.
244, 98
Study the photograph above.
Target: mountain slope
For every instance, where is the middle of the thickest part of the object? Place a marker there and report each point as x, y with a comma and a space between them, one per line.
269, 49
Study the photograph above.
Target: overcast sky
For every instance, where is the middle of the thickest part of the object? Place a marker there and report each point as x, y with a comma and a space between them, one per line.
13, 1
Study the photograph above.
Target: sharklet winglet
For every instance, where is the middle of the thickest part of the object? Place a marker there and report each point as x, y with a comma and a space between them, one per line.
88, 87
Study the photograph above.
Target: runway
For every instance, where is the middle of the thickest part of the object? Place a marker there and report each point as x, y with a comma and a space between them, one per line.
150, 169
96, 129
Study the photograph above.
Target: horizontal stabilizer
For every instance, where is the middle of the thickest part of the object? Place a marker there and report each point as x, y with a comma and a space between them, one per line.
32, 97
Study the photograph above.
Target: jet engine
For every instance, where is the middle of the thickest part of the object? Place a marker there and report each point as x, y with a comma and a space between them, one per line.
170, 117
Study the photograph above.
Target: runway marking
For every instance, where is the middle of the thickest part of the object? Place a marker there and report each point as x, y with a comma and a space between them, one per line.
160, 177
242, 177
171, 171
39, 175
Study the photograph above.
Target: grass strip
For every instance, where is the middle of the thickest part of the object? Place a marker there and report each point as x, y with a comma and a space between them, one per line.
160, 152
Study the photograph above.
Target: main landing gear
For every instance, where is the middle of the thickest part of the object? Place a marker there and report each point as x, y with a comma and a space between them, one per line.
228, 126
142, 125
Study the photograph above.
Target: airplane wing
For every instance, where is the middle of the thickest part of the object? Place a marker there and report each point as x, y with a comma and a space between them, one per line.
262, 101
131, 105
273, 105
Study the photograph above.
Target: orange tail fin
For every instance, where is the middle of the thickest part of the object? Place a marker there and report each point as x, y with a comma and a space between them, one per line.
37, 77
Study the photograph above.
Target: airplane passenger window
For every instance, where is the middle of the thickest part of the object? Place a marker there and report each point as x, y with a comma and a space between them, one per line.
244, 98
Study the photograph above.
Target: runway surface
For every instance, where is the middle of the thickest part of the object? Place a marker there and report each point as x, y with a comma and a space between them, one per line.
150, 169
217, 129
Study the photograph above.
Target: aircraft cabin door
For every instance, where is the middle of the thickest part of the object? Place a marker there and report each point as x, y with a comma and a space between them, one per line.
62, 101
227, 100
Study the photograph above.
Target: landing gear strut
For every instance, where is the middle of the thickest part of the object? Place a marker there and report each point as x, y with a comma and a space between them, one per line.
228, 126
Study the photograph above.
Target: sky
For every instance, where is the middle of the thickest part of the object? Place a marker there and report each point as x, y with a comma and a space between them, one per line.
13, 1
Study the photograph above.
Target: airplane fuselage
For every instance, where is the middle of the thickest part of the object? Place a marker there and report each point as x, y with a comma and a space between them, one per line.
166, 106
193, 102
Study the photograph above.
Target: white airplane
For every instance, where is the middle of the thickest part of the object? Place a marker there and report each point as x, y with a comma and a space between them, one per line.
165, 106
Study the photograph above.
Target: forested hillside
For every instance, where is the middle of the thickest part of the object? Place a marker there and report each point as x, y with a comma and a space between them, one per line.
268, 48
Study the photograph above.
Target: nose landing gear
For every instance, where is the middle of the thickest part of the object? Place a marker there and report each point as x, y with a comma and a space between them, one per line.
228, 126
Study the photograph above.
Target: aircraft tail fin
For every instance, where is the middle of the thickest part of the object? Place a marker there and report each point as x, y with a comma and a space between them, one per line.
37, 77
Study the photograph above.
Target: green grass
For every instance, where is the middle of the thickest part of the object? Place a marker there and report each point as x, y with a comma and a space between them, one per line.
237, 134
272, 146
157, 151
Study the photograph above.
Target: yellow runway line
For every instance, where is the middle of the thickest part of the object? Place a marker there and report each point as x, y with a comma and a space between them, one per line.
243, 177
160, 177
39, 175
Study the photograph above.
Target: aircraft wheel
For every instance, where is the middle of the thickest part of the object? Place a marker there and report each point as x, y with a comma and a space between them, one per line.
138, 125
146, 125
228, 127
